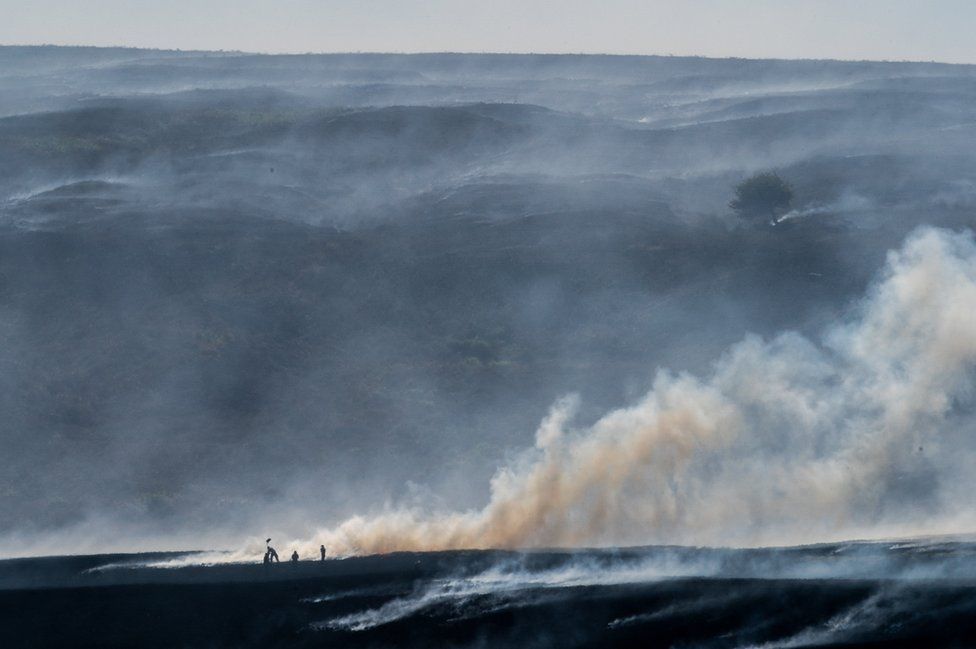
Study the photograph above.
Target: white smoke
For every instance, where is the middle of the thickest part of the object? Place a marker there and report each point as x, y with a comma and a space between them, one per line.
867, 433
848, 202
509, 585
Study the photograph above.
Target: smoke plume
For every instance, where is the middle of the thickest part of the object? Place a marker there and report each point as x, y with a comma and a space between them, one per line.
866, 433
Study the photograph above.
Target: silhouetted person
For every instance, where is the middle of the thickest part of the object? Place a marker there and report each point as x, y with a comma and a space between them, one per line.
322, 550
267, 557
294, 556
272, 555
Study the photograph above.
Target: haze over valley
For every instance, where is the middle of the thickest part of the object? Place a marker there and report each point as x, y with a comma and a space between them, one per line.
333, 297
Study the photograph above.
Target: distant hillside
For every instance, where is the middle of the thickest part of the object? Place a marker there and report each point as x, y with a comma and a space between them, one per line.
237, 287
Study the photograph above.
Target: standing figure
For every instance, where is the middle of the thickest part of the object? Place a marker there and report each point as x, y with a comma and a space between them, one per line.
322, 551
294, 556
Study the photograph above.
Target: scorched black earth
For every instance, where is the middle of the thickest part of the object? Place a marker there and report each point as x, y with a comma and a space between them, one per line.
908, 594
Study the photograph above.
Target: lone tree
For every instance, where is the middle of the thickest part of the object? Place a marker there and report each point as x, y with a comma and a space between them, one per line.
763, 197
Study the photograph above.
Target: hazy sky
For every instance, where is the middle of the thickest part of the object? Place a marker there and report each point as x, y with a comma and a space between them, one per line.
874, 29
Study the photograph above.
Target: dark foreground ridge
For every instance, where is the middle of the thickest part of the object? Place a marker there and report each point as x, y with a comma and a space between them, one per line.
838, 595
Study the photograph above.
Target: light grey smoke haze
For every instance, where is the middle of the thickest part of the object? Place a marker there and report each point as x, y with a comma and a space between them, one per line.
786, 441
263, 295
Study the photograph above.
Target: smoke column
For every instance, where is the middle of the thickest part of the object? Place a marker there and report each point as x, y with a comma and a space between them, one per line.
868, 431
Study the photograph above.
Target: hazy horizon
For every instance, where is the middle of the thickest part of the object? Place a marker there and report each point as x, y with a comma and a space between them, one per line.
874, 30
623, 55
